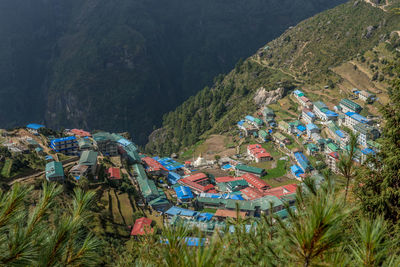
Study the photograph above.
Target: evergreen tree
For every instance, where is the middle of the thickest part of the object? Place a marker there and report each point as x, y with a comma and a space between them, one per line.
379, 189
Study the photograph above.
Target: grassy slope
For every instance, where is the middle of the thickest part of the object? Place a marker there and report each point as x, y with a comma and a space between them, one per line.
304, 55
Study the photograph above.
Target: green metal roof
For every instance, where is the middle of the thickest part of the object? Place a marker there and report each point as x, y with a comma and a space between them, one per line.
84, 143
283, 124
263, 133
312, 147
251, 169
351, 105
333, 147
54, 169
102, 136
258, 121
147, 186
88, 158
265, 202
279, 136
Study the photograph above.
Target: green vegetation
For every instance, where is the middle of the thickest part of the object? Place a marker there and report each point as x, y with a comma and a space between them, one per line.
42, 237
279, 171
303, 55
6, 171
209, 210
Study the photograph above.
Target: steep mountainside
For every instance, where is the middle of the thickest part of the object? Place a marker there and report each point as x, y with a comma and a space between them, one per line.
122, 64
311, 55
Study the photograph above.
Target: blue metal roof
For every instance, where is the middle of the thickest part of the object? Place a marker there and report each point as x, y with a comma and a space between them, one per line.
173, 177
240, 123
297, 92
296, 170
202, 217
331, 113
309, 113
302, 161
250, 118
357, 117
124, 142
368, 151
222, 196
180, 211
339, 133
169, 163
183, 192
311, 126
301, 128
34, 126
63, 139
190, 241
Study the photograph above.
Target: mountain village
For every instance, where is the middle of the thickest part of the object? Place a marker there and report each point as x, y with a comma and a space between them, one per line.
202, 193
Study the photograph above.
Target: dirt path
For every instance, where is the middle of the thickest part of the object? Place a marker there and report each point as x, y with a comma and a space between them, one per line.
36, 175
383, 7
265, 64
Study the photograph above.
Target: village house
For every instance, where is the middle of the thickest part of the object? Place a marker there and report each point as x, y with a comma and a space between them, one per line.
251, 193
297, 172
269, 117
286, 127
280, 139
308, 116
34, 128
365, 153
89, 159
323, 113
366, 96
113, 173
305, 102
85, 144
80, 133
312, 149
78, 171
257, 153
347, 105
312, 128
297, 94
255, 181
365, 133
351, 119
183, 194
198, 183
66, 145
54, 171
241, 169
263, 136
142, 226
331, 147
332, 159
153, 167
302, 161
106, 144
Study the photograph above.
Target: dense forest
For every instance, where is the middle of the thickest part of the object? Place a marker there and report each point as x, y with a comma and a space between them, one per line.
120, 65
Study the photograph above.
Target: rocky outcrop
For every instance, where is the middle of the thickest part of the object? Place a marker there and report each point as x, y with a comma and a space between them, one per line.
264, 97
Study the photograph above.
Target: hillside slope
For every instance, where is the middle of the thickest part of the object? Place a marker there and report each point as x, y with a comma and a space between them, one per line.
304, 56
122, 64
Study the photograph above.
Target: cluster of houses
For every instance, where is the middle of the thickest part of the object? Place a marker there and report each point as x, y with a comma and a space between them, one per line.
315, 121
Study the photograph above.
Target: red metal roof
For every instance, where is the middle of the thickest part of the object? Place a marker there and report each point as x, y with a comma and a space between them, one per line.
305, 99
334, 155
196, 186
282, 190
255, 181
263, 155
291, 187
250, 147
114, 173
227, 179
81, 133
142, 226
252, 193
153, 165
196, 177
